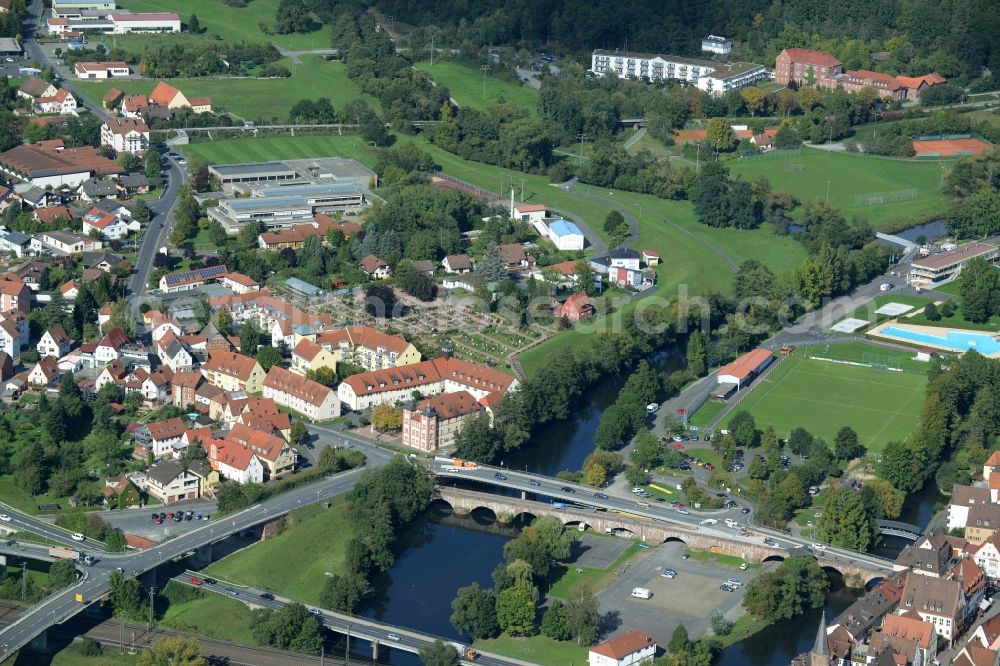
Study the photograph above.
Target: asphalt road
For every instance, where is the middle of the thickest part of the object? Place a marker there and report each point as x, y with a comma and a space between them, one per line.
156, 234
25, 523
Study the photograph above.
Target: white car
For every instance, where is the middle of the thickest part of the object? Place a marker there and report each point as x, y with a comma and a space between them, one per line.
392, 637
78, 537
744, 566
819, 546
4, 517
885, 286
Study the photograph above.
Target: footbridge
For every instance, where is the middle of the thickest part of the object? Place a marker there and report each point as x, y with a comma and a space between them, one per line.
897, 529
708, 535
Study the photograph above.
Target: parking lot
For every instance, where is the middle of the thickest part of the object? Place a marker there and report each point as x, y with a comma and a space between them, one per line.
689, 598
597, 552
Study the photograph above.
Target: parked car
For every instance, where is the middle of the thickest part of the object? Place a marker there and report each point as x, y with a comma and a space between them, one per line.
668, 573
744, 566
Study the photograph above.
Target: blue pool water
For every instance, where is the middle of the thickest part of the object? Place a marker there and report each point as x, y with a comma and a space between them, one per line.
958, 340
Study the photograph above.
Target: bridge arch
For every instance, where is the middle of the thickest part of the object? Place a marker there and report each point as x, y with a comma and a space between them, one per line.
773, 558
873, 582
577, 523
441, 506
523, 518
484, 513
673, 538
625, 532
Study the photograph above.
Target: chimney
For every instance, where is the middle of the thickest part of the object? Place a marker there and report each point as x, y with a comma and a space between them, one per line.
447, 352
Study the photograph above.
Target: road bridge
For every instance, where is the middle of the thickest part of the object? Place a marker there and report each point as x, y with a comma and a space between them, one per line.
378, 634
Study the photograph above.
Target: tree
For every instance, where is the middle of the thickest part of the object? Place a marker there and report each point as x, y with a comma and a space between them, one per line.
127, 598
267, 357
194, 25
554, 622
888, 500
324, 375
902, 466
224, 322
61, 574
846, 445
582, 616
516, 610
616, 227
476, 440
646, 452
493, 267
380, 301
173, 651
290, 627
979, 291
385, 417
299, 434
744, 429
845, 521
756, 470
720, 625
679, 640
797, 585
755, 99
250, 335
474, 612
293, 16
439, 653
799, 441
344, 593
720, 134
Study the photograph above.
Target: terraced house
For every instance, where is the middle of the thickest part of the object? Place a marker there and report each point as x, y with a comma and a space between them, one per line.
233, 372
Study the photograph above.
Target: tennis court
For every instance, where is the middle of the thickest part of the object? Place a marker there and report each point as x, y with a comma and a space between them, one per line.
949, 147
822, 396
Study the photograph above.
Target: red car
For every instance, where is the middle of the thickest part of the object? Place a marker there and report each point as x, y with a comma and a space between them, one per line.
157, 521
195, 581
679, 447
170, 515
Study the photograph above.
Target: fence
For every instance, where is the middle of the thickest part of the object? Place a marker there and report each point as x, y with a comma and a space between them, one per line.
878, 198
774, 154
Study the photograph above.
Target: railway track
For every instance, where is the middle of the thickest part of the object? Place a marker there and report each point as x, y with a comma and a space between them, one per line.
109, 633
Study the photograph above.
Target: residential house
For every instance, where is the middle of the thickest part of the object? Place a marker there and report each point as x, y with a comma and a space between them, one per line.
112, 99
309, 398
576, 307
440, 375
173, 353
974, 654
185, 280
309, 355
62, 243
61, 102
987, 556
367, 347
113, 373
6, 366
10, 340
110, 347
165, 436
104, 316
929, 556
95, 189
134, 106
938, 601
160, 324
14, 294
263, 414
629, 649
432, 423
375, 268
169, 482
57, 216
132, 183
277, 456
910, 638
988, 633
239, 283
54, 342
120, 492
108, 225
285, 322
184, 385
45, 373
101, 70
982, 523
457, 263
155, 386
125, 135
233, 372
208, 478
233, 461
167, 96
34, 87
516, 258
69, 289
15, 243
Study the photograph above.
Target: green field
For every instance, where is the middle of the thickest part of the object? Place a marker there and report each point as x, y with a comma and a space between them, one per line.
261, 100
539, 649
708, 411
850, 174
227, 151
314, 541
211, 615
822, 397
466, 86
232, 23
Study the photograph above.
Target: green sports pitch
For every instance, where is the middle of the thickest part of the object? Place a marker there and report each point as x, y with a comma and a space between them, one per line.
822, 397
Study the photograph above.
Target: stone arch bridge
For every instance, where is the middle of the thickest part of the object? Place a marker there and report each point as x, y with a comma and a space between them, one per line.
711, 538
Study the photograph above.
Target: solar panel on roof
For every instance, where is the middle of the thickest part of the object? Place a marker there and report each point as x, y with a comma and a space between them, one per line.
200, 274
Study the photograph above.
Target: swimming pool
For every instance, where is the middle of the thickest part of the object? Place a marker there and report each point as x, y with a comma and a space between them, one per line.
959, 341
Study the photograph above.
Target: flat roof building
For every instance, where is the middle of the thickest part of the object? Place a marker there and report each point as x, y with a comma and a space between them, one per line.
252, 173
279, 207
717, 45
713, 77
10, 46
938, 268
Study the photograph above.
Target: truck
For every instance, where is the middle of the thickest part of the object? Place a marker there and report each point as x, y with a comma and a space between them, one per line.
464, 651
641, 593
71, 555
467, 464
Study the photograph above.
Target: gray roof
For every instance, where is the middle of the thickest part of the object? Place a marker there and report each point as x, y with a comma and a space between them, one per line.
16, 238
98, 188
423, 266
32, 194
303, 287
109, 205
254, 168
623, 253
134, 180
164, 472
90, 259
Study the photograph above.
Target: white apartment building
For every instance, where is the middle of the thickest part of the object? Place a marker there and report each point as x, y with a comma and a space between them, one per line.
717, 45
713, 77
125, 135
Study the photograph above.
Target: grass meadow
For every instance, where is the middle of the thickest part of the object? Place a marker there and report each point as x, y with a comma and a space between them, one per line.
466, 86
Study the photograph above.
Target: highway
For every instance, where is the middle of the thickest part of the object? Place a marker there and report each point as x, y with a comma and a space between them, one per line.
353, 625
550, 487
25, 523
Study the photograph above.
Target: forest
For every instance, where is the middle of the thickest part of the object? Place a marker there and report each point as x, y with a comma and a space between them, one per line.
955, 39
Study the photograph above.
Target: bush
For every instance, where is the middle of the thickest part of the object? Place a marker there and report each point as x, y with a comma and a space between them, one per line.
90, 648
931, 312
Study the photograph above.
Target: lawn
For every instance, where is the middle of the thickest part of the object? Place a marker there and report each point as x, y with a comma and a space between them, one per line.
229, 151
867, 312
260, 100
654, 146
956, 320
233, 23
705, 455
850, 174
314, 542
823, 397
570, 580
211, 615
466, 87
708, 411
72, 655
539, 649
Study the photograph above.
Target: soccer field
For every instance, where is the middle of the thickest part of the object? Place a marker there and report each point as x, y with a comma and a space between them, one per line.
848, 175
232, 151
822, 397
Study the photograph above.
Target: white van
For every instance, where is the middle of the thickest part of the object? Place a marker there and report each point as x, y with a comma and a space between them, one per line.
641, 593
652, 408
731, 523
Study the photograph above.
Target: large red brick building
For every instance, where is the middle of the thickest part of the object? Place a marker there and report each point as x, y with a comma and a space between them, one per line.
805, 66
